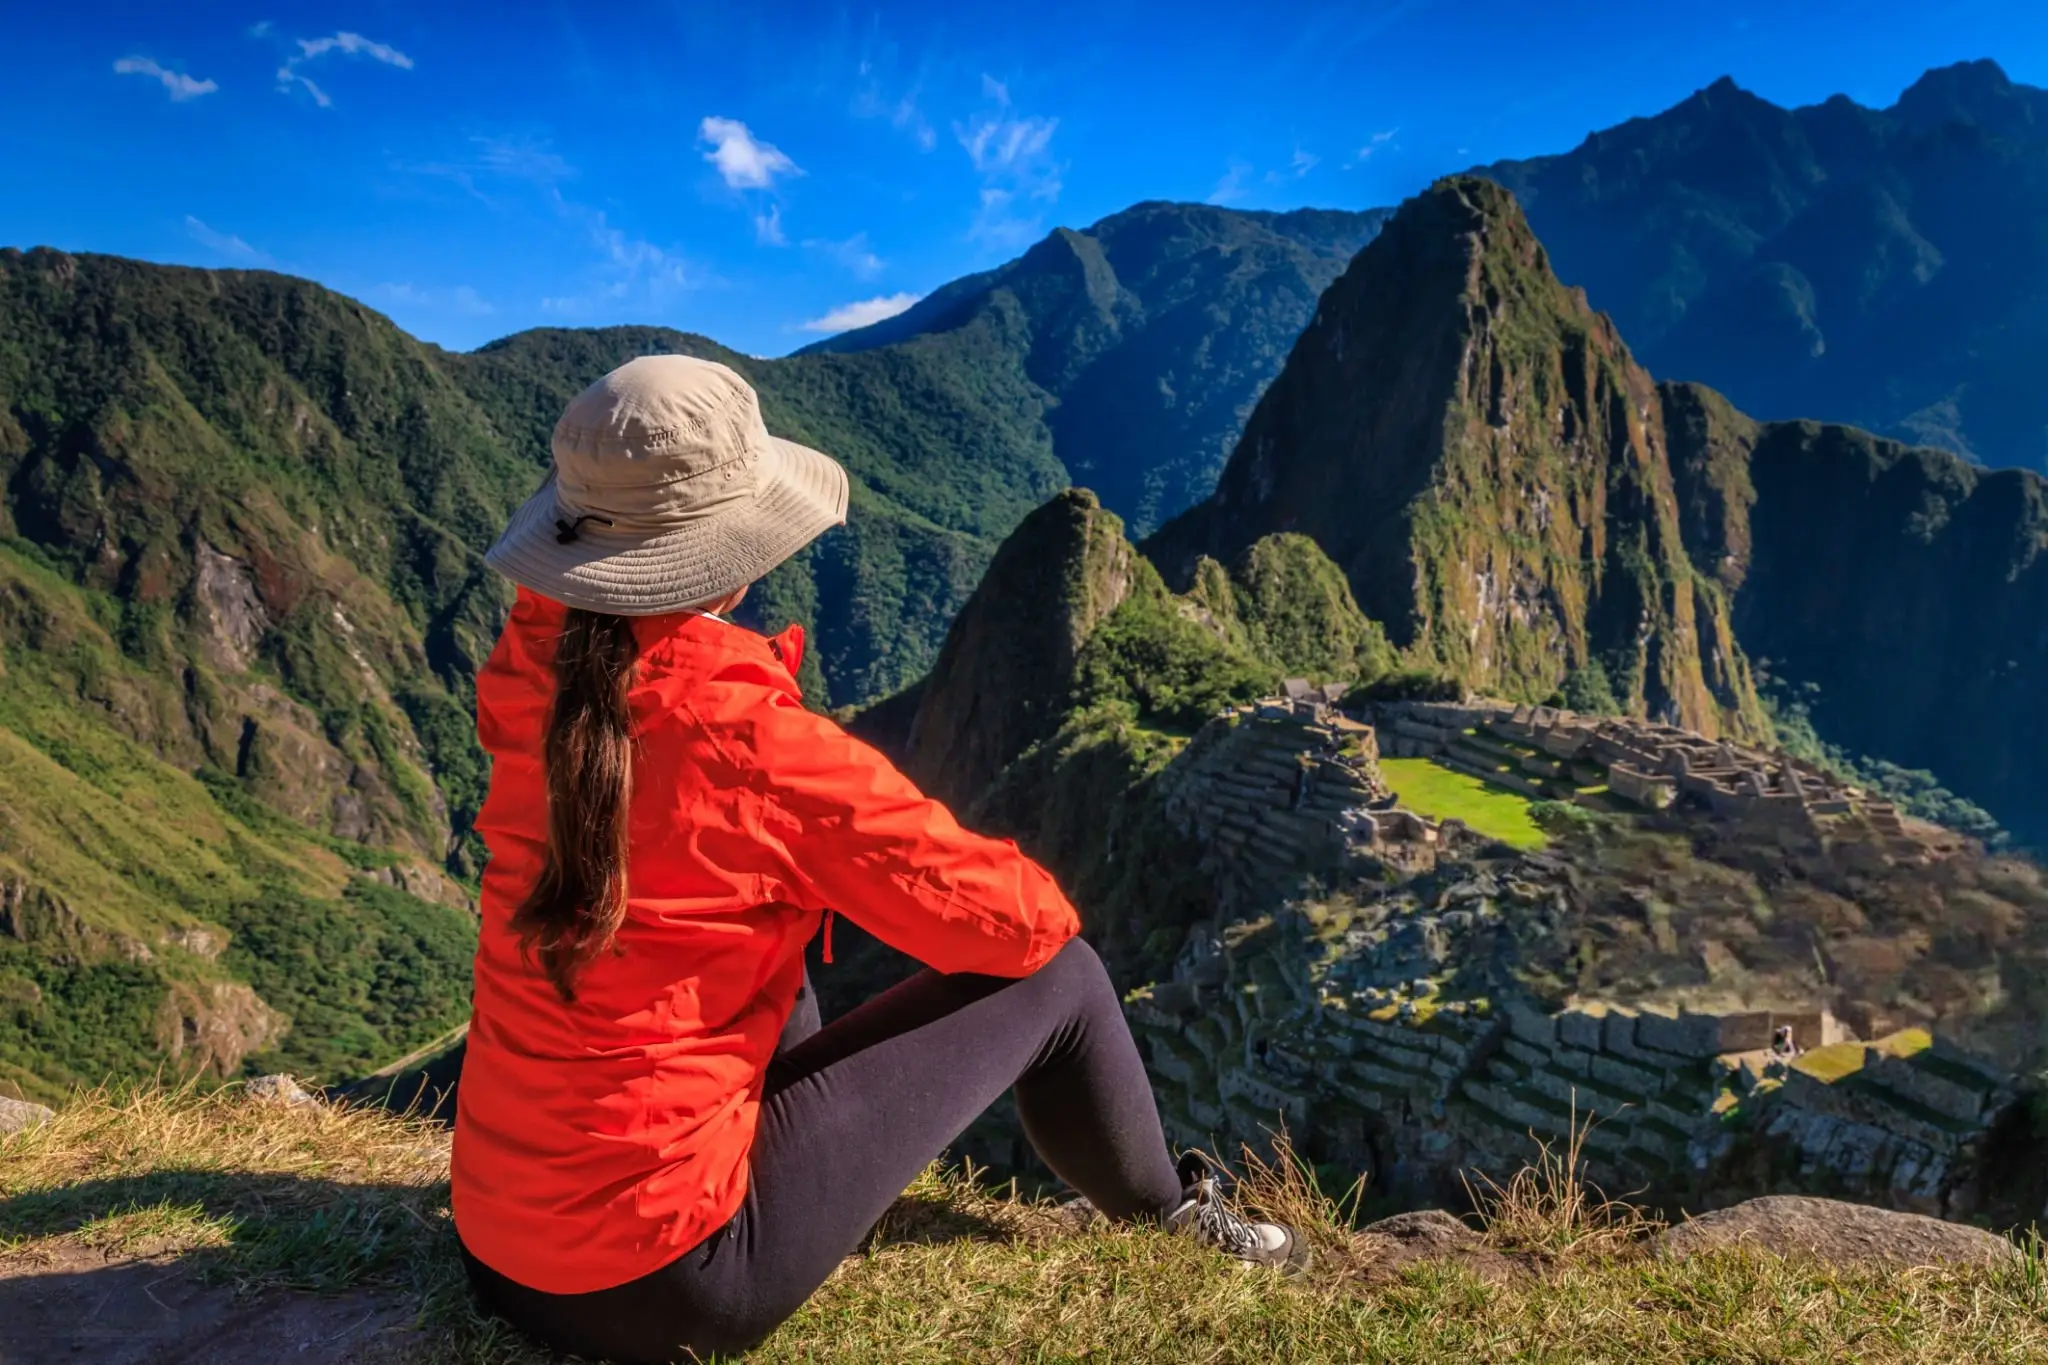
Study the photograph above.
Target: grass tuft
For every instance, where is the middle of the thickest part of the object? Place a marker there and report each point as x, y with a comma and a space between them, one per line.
1549, 1207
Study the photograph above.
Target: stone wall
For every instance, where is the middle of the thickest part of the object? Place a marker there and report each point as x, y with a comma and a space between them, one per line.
1289, 790
1389, 1029
1371, 1047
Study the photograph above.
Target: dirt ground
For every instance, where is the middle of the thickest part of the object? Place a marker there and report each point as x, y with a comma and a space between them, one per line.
75, 1304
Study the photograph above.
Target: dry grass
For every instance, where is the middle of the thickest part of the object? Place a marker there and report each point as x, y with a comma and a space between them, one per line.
1548, 1207
317, 1199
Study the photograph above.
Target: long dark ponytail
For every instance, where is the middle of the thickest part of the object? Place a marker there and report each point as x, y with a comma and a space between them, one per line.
574, 910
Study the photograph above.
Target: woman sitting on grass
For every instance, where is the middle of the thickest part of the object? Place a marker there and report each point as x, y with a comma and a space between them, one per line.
657, 1149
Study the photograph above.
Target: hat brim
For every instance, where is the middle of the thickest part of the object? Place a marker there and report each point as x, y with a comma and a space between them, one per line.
801, 495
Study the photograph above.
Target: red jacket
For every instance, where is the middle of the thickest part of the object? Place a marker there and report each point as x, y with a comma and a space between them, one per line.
599, 1140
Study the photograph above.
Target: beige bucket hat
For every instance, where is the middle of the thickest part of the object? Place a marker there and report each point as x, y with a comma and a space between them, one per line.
667, 492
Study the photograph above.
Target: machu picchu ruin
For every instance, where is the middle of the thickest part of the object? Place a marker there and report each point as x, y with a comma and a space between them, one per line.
1398, 993
1291, 784
1309, 1022
1547, 752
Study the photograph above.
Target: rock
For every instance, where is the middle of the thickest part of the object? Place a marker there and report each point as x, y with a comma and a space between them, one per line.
277, 1089
1427, 1235
65, 1302
230, 606
418, 880
212, 1027
1836, 1232
201, 942
16, 1115
1427, 1232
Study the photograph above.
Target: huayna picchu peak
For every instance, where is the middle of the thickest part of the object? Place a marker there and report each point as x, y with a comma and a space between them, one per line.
1476, 449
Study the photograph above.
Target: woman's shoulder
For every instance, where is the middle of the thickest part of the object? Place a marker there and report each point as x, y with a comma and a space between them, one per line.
734, 692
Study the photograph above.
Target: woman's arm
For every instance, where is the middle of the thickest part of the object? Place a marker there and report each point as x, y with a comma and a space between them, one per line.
857, 837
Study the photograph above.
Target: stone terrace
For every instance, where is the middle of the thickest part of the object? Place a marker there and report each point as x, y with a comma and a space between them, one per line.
1290, 788
1270, 1023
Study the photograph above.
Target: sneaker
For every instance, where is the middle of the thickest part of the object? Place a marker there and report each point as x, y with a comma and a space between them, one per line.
1203, 1216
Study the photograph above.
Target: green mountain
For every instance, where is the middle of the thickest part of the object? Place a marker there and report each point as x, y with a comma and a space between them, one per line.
1071, 680
1886, 268
1527, 512
1476, 450
1897, 593
239, 594
1151, 335
241, 602
241, 518
242, 599
1268, 971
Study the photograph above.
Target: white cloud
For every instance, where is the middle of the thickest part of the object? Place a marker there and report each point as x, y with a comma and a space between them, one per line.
311, 49
462, 299
1298, 165
1013, 156
768, 227
523, 159
180, 86
1012, 146
903, 112
854, 254
635, 255
631, 267
1231, 187
866, 312
745, 164
355, 45
1374, 144
498, 160
286, 78
997, 222
224, 244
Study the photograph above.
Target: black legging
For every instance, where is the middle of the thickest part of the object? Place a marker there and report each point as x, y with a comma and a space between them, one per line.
851, 1113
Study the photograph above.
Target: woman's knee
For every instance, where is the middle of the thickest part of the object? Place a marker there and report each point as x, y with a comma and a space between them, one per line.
1077, 962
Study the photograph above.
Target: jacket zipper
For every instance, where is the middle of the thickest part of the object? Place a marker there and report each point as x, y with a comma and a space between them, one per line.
827, 936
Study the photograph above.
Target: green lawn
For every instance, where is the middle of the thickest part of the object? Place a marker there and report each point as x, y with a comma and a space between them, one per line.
1428, 788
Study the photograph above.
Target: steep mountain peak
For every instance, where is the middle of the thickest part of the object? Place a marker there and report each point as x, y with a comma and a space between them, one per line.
1474, 447
1002, 678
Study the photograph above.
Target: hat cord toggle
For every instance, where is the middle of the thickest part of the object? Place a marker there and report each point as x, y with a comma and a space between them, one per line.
565, 531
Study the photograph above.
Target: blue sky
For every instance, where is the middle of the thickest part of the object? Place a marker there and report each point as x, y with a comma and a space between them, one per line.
762, 172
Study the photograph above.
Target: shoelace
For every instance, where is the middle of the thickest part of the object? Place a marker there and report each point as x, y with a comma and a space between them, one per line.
1222, 1228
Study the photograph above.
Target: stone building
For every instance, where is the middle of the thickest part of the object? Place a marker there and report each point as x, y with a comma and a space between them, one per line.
1274, 1024
1401, 1044
1289, 789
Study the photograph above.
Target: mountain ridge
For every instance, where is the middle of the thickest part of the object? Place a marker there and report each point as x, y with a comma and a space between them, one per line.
1873, 267
240, 592
1150, 331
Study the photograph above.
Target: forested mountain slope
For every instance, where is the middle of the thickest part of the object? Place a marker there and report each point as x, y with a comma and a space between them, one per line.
1152, 334
1886, 268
